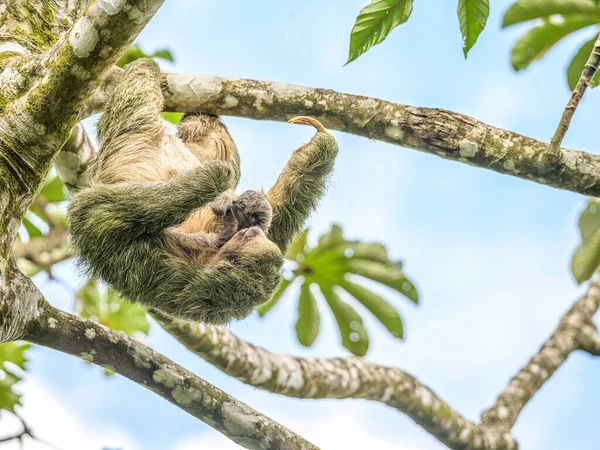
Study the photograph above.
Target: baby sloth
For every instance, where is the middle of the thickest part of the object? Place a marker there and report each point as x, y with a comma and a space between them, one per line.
160, 221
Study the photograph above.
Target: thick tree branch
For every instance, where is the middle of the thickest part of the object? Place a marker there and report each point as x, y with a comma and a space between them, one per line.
97, 344
584, 81
443, 133
334, 378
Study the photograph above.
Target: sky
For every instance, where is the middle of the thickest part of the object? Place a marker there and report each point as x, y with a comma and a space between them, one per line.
489, 253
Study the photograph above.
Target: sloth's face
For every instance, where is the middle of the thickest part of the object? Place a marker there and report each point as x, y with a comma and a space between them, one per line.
250, 246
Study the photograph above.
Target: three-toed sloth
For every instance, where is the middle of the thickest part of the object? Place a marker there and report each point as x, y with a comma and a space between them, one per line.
160, 221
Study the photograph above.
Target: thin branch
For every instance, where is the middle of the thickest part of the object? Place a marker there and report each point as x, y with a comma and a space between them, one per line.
590, 68
334, 378
439, 132
571, 334
119, 353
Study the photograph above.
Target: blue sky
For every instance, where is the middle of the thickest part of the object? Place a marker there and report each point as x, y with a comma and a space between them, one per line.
489, 253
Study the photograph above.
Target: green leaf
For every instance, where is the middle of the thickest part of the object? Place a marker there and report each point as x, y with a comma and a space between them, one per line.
382, 310
108, 309
374, 23
472, 17
586, 259
12, 352
353, 333
331, 239
589, 220
537, 41
267, 306
298, 247
524, 10
28, 268
53, 191
135, 52
163, 54
172, 117
32, 230
384, 274
309, 320
578, 62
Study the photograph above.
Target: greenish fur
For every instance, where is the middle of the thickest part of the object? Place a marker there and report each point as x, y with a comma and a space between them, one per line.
123, 229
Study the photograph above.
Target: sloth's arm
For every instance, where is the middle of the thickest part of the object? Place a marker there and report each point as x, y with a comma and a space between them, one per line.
301, 184
147, 208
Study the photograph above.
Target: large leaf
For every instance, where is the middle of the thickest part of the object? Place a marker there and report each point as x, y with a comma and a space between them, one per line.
298, 246
374, 23
267, 306
537, 41
472, 17
309, 320
578, 62
135, 52
385, 274
525, 10
353, 333
382, 310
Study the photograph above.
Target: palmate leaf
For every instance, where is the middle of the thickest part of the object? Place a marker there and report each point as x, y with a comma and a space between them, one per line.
135, 52
525, 10
538, 40
53, 191
578, 62
352, 331
309, 320
374, 23
472, 17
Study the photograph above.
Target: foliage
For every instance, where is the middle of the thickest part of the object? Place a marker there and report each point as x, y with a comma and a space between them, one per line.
337, 266
552, 21
106, 308
11, 354
587, 256
376, 20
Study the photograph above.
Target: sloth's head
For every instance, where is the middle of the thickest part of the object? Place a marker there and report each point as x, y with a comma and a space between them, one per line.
250, 247
251, 208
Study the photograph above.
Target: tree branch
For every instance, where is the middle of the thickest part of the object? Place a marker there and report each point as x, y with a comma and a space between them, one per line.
117, 352
358, 378
436, 131
334, 378
572, 333
584, 81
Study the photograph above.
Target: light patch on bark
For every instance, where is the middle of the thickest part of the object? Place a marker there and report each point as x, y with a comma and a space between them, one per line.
509, 165
237, 421
230, 102
90, 333
83, 37
467, 148
111, 7
10, 82
193, 90
394, 132
88, 356
284, 91
52, 322
160, 376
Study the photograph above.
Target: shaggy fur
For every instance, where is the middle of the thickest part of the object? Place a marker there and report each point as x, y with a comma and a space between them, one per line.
161, 223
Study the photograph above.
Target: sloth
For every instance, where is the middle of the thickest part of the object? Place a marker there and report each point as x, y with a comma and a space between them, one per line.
160, 221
